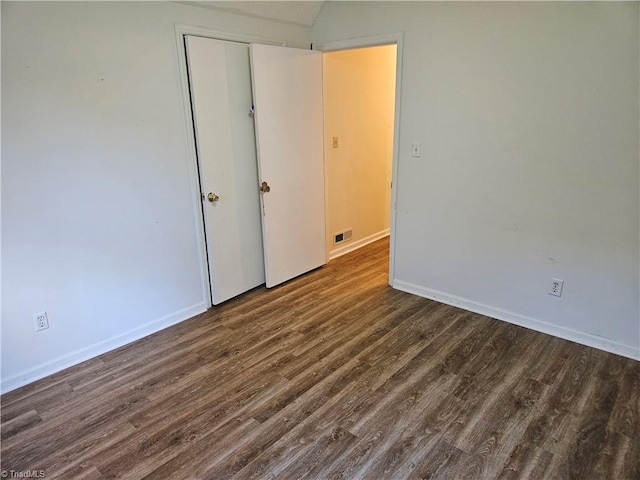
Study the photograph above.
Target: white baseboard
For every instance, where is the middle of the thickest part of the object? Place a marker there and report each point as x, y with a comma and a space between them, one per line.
92, 351
351, 246
527, 322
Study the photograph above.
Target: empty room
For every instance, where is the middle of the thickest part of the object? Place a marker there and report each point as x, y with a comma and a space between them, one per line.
320, 239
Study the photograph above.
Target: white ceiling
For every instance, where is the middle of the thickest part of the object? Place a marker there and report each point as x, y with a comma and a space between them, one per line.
296, 12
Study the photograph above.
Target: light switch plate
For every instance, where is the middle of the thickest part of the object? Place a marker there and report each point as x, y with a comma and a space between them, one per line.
415, 149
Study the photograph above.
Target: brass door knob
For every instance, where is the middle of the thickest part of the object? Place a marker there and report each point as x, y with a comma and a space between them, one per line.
212, 197
264, 188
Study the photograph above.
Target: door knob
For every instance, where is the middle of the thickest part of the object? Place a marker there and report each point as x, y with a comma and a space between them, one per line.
212, 197
264, 188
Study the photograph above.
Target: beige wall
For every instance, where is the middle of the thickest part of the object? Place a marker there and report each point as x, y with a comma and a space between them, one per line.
359, 90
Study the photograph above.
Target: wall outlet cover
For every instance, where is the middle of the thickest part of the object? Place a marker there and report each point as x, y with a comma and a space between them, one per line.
41, 321
556, 287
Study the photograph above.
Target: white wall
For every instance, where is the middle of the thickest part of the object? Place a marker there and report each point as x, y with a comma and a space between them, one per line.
359, 100
98, 225
528, 115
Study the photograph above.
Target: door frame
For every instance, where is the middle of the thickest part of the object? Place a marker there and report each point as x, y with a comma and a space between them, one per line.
189, 130
376, 41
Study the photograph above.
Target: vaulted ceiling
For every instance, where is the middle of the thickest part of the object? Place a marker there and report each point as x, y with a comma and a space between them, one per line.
296, 12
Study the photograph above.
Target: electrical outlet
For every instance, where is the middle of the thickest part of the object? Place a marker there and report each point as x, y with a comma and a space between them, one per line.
41, 321
556, 287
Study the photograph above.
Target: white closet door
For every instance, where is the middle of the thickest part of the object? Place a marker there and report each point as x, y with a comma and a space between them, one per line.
220, 83
287, 90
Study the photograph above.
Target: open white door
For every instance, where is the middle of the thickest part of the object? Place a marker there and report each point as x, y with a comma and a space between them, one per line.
220, 84
287, 91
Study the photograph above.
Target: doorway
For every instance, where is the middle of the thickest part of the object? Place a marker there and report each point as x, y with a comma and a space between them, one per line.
267, 227
275, 232
359, 109
394, 40
181, 33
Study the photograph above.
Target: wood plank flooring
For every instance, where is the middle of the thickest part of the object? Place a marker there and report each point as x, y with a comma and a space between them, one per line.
333, 376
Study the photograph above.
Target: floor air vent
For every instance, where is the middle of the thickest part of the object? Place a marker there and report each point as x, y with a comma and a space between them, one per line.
342, 236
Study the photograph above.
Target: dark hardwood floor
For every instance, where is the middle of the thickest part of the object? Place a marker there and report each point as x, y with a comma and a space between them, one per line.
333, 375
